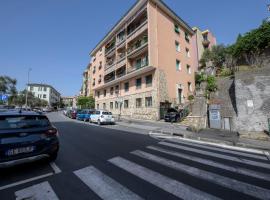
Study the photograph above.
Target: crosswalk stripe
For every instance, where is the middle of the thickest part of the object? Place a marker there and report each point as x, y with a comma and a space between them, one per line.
230, 183
238, 170
104, 186
169, 185
217, 155
261, 157
41, 191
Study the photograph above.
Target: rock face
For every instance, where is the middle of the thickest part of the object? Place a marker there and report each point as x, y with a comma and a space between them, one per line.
252, 91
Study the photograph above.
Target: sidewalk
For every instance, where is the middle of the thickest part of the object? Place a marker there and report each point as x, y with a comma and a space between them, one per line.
165, 130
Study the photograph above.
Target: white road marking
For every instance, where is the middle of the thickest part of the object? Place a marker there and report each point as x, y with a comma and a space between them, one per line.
25, 181
55, 168
221, 145
230, 183
261, 157
104, 186
217, 155
42, 191
267, 154
165, 183
235, 169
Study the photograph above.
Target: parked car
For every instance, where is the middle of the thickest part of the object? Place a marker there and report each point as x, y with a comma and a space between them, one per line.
25, 137
102, 117
84, 114
174, 115
73, 113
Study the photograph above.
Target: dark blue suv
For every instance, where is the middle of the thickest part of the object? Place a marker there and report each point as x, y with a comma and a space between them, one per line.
26, 137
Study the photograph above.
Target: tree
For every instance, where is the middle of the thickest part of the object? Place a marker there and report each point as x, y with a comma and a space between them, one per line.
8, 86
216, 55
86, 102
211, 84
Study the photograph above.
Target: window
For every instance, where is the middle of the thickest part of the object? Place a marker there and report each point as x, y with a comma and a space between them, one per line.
126, 104
177, 46
98, 94
44, 96
138, 63
138, 83
39, 88
187, 53
111, 105
31, 88
94, 69
148, 101
117, 89
178, 65
104, 105
189, 87
138, 102
177, 29
186, 37
126, 86
188, 69
104, 93
116, 105
94, 82
148, 80
45, 89
111, 91
100, 65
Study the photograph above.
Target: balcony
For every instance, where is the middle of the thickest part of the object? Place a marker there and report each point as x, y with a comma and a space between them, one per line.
121, 72
140, 44
110, 48
139, 65
138, 31
121, 38
109, 77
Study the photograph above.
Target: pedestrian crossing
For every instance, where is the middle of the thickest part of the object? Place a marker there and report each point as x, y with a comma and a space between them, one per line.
180, 169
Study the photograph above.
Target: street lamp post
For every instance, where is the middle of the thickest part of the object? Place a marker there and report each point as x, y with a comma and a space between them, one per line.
26, 96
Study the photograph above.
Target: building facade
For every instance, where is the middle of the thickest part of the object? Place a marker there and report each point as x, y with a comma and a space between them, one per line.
144, 64
201, 40
87, 80
45, 92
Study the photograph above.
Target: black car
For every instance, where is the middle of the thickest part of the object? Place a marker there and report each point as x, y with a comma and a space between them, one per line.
172, 115
25, 137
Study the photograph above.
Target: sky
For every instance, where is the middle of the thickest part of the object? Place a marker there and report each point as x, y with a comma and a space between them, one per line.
54, 37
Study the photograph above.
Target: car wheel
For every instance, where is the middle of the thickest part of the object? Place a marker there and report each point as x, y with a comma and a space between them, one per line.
99, 123
84, 119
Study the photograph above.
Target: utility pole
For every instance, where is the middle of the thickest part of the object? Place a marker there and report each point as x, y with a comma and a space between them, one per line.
26, 96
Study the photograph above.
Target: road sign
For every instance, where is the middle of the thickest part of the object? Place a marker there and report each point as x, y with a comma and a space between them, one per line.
4, 97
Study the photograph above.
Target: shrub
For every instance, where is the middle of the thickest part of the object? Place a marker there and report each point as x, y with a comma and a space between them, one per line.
211, 84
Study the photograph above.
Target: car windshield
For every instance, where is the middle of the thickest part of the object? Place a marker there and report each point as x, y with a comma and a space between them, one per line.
107, 113
23, 122
171, 110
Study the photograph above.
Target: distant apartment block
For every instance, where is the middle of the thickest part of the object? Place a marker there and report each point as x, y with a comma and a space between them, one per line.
144, 64
69, 101
87, 80
201, 40
45, 92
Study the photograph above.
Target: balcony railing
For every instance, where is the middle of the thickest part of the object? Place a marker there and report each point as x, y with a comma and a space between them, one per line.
109, 65
138, 45
109, 79
131, 31
142, 64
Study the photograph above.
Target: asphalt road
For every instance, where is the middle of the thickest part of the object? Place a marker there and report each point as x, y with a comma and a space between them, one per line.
103, 163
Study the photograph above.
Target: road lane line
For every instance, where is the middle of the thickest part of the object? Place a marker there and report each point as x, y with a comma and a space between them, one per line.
55, 168
165, 183
261, 157
236, 169
25, 181
42, 191
217, 155
104, 186
229, 183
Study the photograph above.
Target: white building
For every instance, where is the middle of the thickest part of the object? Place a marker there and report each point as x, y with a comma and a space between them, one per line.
45, 92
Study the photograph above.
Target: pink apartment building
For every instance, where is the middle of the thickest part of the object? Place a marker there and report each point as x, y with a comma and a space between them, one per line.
201, 40
144, 64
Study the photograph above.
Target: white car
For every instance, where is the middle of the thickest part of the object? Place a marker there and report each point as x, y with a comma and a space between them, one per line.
102, 117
